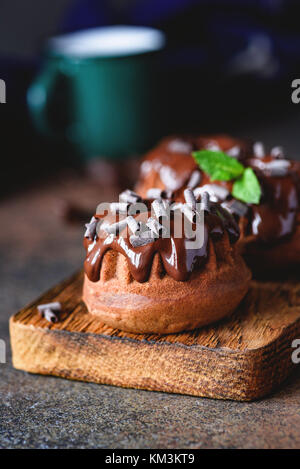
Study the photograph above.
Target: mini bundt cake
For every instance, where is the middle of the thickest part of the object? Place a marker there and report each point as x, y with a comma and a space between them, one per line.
170, 165
270, 228
141, 277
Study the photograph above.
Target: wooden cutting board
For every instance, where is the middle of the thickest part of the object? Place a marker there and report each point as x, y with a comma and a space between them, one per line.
243, 357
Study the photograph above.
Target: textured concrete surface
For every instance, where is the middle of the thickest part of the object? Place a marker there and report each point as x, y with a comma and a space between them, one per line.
37, 249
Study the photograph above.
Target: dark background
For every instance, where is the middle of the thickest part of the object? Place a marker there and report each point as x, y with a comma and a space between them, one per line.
228, 67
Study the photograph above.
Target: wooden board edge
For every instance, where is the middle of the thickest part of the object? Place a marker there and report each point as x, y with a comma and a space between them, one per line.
125, 362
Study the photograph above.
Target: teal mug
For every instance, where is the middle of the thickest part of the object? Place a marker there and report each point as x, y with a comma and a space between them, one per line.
100, 90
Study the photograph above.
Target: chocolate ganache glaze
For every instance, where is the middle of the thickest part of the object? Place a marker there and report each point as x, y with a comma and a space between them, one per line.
274, 218
171, 159
178, 257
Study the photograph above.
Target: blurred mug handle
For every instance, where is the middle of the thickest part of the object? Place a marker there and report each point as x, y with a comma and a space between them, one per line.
46, 99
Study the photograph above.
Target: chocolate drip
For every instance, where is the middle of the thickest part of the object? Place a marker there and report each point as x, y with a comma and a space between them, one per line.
178, 259
276, 216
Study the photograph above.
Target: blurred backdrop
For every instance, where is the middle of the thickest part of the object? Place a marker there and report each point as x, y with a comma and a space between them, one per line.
227, 65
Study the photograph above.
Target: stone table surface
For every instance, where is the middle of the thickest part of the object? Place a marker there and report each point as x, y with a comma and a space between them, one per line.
37, 250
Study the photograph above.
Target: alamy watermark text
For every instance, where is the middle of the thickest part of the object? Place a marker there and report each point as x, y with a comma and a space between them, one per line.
2, 91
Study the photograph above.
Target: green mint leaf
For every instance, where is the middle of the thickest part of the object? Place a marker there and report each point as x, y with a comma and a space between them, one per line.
218, 165
247, 188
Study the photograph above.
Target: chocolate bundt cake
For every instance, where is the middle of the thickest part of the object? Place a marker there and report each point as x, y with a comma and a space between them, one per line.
165, 269
170, 164
270, 228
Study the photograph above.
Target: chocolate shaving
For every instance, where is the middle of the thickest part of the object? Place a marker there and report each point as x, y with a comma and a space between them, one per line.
142, 227
138, 207
129, 197
180, 146
145, 238
91, 228
276, 168
155, 226
212, 146
119, 207
166, 203
259, 150
133, 225
169, 179
205, 202
50, 311
56, 306
234, 152
235, 207
50, 316
154, 193
277, 152
190, 198
176, 206
115, 228
159, 209
189, 213
215, 192
194, 180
